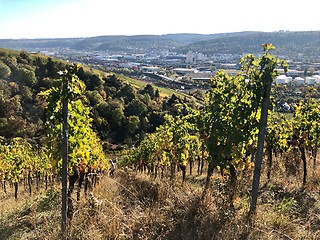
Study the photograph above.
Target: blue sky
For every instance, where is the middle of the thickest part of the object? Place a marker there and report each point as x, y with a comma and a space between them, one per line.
86, 18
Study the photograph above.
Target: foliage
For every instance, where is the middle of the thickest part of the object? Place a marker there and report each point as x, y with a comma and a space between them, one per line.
231, 115
278, 132
175, 143
84, 146
19, 159
24, 75
307, 119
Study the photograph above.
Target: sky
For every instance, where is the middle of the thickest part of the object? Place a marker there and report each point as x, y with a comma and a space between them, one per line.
89, 18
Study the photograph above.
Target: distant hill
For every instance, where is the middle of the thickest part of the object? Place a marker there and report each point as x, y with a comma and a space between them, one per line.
26, 44
288, 43
116, 42
109, 43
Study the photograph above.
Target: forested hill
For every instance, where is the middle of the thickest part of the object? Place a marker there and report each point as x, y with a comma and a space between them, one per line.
111, 43
288, 43
121, 112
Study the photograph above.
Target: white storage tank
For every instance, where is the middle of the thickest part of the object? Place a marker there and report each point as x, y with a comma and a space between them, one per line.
317, 78
310, 81
281, 79
299, 81
288, 79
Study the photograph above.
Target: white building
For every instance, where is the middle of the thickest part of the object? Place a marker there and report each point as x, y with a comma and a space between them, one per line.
291, 72
185, 70
129, 65
192, 58
150, 69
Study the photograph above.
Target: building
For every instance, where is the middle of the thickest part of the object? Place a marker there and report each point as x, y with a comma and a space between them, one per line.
185, 70
193, 58
150, 69
291, 72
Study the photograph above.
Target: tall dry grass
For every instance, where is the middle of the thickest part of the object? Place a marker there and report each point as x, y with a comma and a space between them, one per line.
135, 206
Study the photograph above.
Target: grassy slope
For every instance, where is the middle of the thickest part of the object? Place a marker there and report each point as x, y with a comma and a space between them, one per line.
164, 92
134, 206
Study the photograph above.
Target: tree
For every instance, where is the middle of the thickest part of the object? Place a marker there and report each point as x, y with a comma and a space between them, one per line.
51, 68
148, 89
132, 125
115, 113
5, 71
228, 122
157, 94
136, 107
126, 92
26, 76
94, 98
96, 82
276, 139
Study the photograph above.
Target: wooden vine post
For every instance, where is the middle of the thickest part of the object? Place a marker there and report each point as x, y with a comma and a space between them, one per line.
64, 150
70, 137
266, 73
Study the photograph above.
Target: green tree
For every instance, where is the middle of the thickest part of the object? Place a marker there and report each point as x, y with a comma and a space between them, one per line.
148, 89
5, 71
136, 107
132, 125
276, 140
115, 112
27, 77
157, 94
94, 98
126, 92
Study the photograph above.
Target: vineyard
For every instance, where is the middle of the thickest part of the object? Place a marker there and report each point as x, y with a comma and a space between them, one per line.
232, 169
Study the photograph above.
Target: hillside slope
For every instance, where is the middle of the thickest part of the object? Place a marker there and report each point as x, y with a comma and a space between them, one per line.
123, 109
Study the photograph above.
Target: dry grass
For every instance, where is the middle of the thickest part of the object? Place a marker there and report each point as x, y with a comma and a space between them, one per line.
132, 206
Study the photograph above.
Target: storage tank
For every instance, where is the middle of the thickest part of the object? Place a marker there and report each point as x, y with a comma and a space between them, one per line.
299, 81
310, 81
281, 79
288, 80
317, 79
